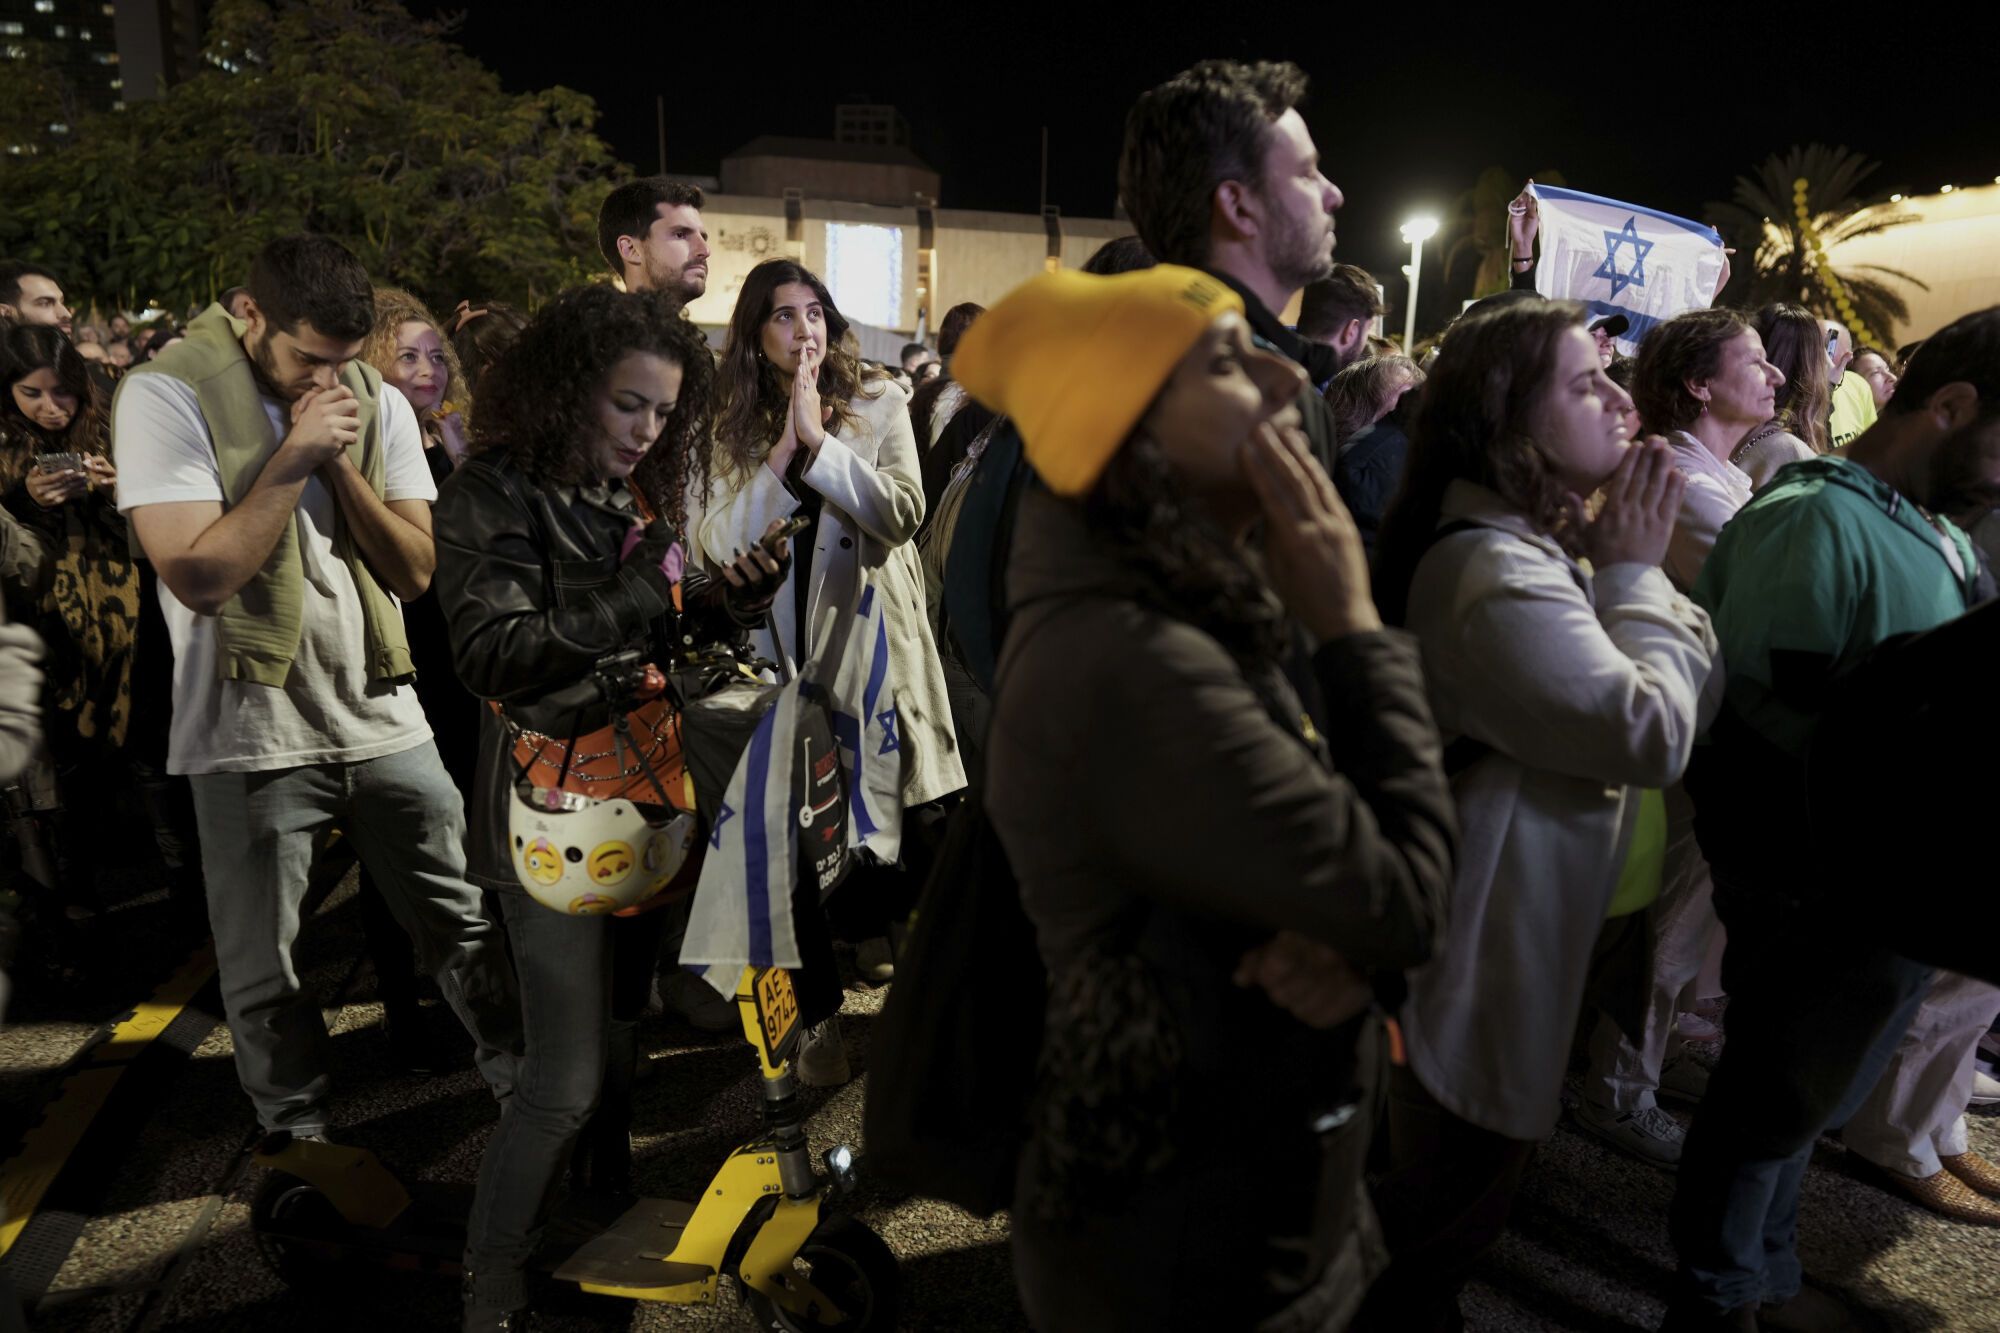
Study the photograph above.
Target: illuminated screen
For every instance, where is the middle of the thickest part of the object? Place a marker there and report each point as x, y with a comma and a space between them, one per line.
864, 271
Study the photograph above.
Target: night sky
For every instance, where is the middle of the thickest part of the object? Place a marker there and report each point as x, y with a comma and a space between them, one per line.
1657, 104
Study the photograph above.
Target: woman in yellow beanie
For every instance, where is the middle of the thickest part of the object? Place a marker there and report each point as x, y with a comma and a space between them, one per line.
1207, 889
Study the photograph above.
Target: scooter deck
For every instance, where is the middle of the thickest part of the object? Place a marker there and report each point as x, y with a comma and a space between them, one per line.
632, 1251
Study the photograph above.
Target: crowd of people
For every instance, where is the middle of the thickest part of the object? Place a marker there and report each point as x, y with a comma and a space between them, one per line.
1376, 740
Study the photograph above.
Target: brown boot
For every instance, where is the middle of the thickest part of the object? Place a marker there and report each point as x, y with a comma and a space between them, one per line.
1946, 1195
1975, 1171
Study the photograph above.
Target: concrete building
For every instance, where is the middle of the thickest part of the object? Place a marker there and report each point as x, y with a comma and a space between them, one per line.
1953, 248
885, 265
159, 43
80, 40
862, 173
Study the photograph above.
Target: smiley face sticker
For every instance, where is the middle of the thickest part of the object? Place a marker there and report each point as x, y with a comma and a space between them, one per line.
591, 904
610, 863
542, 861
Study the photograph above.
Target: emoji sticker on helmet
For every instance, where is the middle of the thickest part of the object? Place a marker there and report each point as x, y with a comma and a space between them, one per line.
611, 863
591, 904
542, 861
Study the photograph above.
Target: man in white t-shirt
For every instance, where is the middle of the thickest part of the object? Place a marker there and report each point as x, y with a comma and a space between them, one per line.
283, 498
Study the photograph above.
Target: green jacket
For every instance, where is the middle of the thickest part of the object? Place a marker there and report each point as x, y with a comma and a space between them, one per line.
257, 630
1808, 577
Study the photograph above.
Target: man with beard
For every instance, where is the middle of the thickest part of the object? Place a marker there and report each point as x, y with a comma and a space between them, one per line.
30, 294
283, 498
651, 234
1838, 555
1220, 173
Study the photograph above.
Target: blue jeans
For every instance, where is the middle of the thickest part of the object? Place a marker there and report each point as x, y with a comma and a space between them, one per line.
1815, 1012
408, 825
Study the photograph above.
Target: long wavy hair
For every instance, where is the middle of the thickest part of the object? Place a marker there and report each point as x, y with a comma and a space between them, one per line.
538, 400
1795, 343
1195, 571
752, 395
25, 349
394, 308
1475, 424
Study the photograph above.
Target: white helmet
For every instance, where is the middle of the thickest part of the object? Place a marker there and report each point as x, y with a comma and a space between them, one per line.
586, 857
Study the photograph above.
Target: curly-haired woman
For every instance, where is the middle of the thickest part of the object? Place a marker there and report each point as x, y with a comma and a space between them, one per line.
110, 667
559, 543
800, 430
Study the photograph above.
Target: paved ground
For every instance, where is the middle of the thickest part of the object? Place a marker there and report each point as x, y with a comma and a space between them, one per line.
147, 1226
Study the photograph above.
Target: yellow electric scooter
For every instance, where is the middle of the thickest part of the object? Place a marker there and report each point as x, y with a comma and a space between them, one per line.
761, 1220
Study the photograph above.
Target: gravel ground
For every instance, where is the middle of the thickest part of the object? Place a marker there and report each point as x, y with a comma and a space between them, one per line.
170, 1248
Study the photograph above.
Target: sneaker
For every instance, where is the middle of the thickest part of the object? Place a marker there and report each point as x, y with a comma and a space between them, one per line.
1695, 1027
696, 1003
1985, 1089
874, 961
822, 1058
1684, 1078
1647, 1133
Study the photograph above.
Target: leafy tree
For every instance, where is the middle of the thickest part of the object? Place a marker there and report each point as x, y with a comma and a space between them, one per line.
1762, 221
33, 96
348, 117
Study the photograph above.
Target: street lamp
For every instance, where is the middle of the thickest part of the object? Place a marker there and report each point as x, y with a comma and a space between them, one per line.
1416, 231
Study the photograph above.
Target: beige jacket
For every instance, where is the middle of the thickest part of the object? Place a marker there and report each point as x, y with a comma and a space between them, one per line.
872, 483
1586, 687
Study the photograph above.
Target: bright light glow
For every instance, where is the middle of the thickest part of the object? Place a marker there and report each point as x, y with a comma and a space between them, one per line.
1419, 229
1897, 198
864, 271
1947, 189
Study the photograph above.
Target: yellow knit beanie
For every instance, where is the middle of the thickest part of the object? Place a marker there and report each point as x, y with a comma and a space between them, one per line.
1075, 358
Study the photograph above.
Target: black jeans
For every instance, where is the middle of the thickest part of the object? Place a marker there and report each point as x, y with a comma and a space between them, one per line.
1815, 1011
579, 1058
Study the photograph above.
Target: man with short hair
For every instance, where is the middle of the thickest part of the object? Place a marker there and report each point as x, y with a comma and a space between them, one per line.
30, 294
915, 357
1833, 558
236, 301
282, 496
650, 233
1852, 402
1219, 172
1339, 311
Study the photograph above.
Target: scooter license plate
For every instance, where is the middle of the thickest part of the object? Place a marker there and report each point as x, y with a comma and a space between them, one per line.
777, 1010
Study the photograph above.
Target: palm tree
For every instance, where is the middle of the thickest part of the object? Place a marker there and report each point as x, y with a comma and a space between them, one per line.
1762, 220
1474, 232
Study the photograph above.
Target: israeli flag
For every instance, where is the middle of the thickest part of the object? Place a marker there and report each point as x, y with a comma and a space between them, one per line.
742, 911
1623, 259
862, 698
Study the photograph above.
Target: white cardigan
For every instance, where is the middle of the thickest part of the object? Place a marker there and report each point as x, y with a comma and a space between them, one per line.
872, 484
1586, 687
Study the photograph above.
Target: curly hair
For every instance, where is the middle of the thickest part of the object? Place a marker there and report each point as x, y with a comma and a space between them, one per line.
394, 308
1200, 575
480, 334
1795, 343
25, 349
1475, 424
1686, 347
538, 400
753, 396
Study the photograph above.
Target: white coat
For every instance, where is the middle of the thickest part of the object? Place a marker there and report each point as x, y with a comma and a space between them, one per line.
872, 483
1587, 688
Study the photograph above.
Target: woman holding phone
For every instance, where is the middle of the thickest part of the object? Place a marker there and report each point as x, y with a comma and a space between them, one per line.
559, 551
801, 431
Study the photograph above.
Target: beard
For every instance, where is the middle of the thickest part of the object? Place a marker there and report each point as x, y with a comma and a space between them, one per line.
1299, 254
674, 282
265, 362
1964, 480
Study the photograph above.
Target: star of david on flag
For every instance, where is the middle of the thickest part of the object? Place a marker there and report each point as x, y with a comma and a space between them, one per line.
1624, 259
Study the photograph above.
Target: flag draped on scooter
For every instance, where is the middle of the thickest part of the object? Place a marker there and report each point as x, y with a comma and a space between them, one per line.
820, 777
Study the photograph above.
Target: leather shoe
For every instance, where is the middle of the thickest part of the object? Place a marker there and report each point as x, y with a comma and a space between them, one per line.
1975, 1171
1945, 1194
1815, 1311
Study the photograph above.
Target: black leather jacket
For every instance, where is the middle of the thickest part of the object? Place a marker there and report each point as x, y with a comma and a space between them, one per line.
531, 584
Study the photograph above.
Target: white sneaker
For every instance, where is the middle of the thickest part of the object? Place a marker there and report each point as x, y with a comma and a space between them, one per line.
1647, 1133
822, 1058
1985, 1089
1693, 1027
1684, 1078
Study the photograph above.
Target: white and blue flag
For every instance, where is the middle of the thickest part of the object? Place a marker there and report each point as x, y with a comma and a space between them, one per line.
1623, 259
742, 910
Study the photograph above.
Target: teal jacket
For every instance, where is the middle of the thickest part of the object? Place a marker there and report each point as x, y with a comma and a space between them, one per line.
1808, 577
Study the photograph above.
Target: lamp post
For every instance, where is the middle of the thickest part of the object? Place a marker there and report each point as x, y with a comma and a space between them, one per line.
1416, 231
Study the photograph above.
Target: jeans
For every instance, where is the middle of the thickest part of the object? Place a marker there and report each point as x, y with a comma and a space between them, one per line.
408, 826
583, 982
1815, 1011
